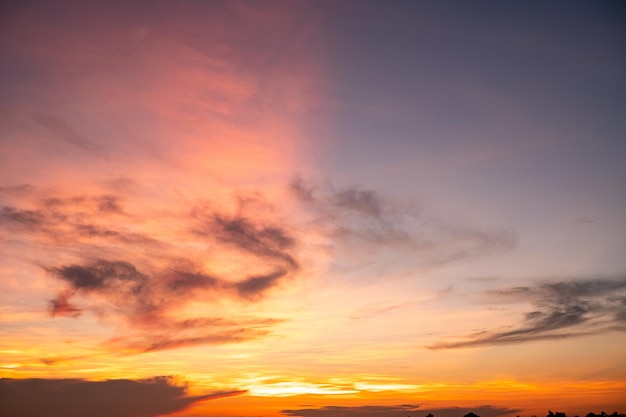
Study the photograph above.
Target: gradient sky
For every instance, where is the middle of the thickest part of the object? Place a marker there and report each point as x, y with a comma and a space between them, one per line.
312, 208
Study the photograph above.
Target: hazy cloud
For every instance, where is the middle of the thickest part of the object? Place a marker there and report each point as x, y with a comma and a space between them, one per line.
363, 221
366, 202
61, 129
68, 219
563, 309
171, 337
100, 232
72, 219
109, 203
16, 189
79, 398
61, 306
398, 411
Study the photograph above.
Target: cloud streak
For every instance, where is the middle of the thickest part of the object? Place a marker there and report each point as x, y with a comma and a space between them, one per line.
398, 411
564, 309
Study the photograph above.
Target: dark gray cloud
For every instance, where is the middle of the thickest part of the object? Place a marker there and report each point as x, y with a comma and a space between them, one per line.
255, 286
137, 293
144, 301
28, 219
266, 241
399, 411
562, 310
272, 244
119, 283
186, 281
79, 398
101, 274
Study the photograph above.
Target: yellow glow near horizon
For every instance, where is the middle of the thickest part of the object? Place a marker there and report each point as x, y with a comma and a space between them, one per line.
286, 389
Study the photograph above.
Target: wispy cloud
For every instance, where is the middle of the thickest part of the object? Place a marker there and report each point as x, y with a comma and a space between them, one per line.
79, 397
563, 309
25, 129
28, 219
271, 243
363, 221
112, 262
16, 189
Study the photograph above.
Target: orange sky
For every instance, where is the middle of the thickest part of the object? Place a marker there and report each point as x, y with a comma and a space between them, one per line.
316, 209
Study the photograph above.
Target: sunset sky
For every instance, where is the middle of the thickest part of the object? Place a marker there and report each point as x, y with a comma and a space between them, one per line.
312, 208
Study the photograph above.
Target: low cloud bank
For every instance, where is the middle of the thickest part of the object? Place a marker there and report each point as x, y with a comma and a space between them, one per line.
80, 398
402, 410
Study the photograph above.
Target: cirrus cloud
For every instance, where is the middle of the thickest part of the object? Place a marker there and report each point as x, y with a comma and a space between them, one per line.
563, 309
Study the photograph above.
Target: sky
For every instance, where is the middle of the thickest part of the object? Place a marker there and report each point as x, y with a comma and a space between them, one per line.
312, 208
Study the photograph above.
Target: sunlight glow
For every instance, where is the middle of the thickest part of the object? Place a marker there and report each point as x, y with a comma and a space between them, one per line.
288, 389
